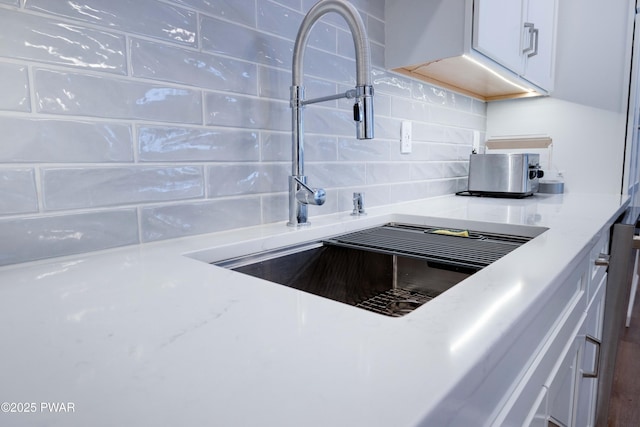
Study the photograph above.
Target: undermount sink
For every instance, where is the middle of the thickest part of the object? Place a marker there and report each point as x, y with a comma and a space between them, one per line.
390, 270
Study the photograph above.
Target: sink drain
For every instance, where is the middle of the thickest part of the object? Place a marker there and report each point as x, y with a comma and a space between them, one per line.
396, 302
403, 306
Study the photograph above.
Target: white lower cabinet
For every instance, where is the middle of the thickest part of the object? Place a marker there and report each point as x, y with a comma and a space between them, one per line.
559, 385
538, 415
572, 389
587, 382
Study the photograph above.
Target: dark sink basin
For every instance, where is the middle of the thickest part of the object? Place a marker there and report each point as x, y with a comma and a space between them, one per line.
390, 270
355, 277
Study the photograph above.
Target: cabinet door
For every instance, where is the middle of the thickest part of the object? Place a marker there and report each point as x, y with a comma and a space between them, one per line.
562, 388
538, 415
539, 66
588, 378
497, 31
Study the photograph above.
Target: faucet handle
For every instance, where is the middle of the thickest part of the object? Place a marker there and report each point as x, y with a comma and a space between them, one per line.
307, 195
315, 197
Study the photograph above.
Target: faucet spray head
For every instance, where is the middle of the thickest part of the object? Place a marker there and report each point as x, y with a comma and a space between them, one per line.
363, 112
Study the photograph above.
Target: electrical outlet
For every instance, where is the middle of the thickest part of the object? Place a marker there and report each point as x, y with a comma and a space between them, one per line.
405, 137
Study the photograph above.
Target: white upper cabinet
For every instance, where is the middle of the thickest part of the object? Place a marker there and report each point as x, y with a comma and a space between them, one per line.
498, 32
491, 49
539, 63
518, 35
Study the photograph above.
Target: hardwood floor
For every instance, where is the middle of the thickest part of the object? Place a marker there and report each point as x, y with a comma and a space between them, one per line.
624, 406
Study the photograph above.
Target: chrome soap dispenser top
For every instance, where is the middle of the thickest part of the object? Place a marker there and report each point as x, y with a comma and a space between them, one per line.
300, 194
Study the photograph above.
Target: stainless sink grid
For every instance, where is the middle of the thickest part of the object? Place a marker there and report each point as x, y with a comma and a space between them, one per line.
396, 302
476, 251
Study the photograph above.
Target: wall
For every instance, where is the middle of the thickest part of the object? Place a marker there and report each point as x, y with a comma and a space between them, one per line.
127, 121
587, 111
588, 142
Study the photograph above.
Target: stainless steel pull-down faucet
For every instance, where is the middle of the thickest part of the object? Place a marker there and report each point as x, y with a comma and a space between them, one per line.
301, 194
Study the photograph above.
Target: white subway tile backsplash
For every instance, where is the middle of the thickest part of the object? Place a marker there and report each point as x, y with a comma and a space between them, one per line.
172, 64
242, 12
375, 195
165, 222
347, 48
57, 141
293, 4
456, 135
442, 187
18, 193
128, 120
321, 119
282, 21
387, 172
429, 93
427, 132
426, 171
455, 169
406, 191
175, 144
382, 104
231, 180
438, 151
39, 39
14, 87
455, 118
366, 150
419, 152
32, 238
240, 42
336, 174
372, 7
388, 128
375, 29
278, 147
146, 17
329, 66
73, 188
392, 84
418, 111
331, 205
276, 83
89, 95
274, 208
246, 112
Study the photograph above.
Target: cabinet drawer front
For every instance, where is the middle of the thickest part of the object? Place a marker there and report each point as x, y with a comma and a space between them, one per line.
518, 405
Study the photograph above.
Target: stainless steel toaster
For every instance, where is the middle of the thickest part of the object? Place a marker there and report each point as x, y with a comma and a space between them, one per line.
504, 175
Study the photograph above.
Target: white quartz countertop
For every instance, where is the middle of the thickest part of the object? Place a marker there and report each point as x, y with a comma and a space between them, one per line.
151, 335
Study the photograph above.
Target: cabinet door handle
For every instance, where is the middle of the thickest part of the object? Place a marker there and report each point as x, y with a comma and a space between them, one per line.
552, 422
603, 260
596, 368
531, 28
534, 35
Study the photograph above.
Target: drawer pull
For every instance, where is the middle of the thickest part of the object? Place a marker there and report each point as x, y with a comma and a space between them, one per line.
596, 367
603, 260
552, 422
